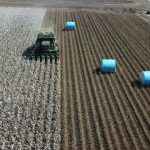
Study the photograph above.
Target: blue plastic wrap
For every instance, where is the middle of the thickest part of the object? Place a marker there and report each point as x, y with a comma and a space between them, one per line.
108, 65
145, 77
70, 25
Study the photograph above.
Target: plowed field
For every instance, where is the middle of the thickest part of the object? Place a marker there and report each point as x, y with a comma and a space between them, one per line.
94, 110
103, 111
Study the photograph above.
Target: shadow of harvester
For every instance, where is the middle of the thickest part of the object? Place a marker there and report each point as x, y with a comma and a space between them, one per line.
28, 55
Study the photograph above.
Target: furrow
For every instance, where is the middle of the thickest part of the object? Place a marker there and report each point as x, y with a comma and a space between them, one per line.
126, 56
90, 142
107, 47
71, 125
111, 103
102, 111
94, 88
139, 32
141, 109
77, 80
140, 22
64, 102
132, 42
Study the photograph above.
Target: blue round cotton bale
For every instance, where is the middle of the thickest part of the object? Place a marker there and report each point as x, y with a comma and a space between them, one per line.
70, 25
145, 77
108, 65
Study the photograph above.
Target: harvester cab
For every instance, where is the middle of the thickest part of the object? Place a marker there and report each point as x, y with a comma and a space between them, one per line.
45, 46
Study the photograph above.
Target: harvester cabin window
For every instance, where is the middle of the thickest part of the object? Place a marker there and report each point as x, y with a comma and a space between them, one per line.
46, 44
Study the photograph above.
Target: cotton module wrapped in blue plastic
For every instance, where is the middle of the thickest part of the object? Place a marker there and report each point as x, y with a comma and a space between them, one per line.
145, 77
108, 65
70, 25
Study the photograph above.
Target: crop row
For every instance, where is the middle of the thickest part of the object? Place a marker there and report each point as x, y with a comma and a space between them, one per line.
102, 110
29, 90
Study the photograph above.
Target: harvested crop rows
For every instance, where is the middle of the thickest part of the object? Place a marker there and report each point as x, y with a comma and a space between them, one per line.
70, 105
29, 90
108, 111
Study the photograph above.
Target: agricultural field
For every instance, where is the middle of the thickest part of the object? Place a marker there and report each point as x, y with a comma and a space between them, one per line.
29, 90
71, 104
104, 111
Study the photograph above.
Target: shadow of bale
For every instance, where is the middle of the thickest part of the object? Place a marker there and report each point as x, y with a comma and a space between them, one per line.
65, 29
138, 84
70, 30
98, 71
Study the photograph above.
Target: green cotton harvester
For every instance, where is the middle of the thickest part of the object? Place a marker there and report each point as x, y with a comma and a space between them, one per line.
45, 46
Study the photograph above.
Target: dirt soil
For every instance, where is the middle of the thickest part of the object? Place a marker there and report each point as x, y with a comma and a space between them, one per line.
96, 110
78, 4
103, 111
